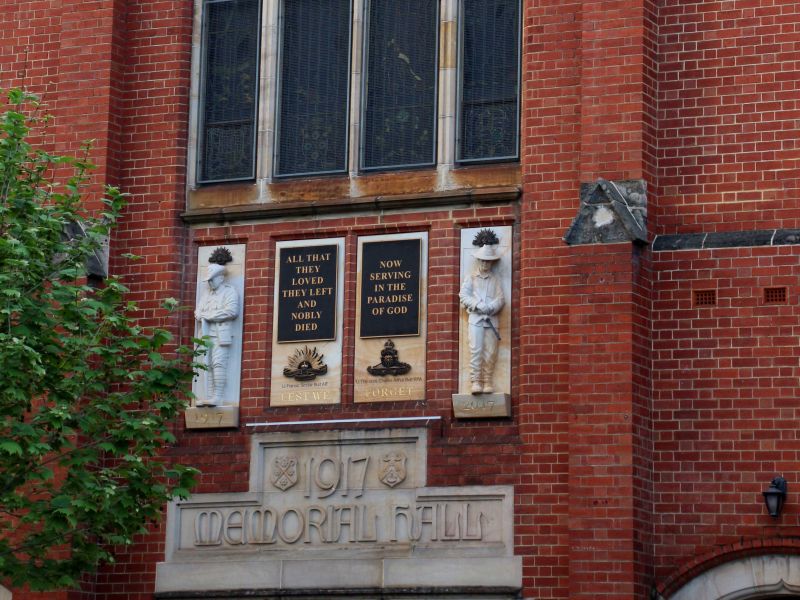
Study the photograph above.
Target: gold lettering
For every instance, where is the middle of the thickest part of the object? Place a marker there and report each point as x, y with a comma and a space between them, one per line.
303, 281
388, 264
306, 397
323, 291
390, 299
400, 391
306, 316
390, 275
308, 269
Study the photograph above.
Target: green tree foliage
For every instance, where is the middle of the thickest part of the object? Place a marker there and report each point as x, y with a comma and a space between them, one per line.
86, 394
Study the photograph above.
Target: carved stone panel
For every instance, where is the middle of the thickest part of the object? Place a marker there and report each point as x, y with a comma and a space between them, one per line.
493, 324
391, 317
219, 318
325, 504
307, 325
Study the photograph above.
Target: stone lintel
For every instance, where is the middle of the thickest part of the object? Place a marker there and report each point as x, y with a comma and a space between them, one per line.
422, 201
487, 577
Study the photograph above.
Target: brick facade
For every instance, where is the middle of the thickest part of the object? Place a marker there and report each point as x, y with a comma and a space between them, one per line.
644, 427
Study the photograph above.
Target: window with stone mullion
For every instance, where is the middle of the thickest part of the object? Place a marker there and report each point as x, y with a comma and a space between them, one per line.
488, 118
399, 103
229, 90
314, 58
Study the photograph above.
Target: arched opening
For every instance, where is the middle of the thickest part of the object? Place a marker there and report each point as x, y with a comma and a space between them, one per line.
764, 577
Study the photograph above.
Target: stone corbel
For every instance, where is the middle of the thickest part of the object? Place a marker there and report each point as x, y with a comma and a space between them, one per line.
610, 212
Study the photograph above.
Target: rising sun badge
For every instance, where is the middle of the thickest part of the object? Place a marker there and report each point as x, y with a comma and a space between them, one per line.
305, 364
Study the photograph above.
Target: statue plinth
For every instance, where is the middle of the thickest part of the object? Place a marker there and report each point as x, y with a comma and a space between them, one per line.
481, 406
212, 417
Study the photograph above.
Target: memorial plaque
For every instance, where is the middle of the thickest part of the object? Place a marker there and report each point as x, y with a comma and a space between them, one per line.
307, 293
390, 287
390, 317
341, 510
307, 323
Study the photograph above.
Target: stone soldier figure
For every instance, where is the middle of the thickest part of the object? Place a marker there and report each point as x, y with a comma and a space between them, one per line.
482, 295
217, 310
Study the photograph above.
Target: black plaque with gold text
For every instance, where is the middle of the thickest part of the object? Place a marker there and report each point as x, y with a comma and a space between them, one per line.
390, 288
307, 293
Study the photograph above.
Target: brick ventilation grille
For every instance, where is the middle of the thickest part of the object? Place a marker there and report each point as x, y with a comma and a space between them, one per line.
705, 297
775, 295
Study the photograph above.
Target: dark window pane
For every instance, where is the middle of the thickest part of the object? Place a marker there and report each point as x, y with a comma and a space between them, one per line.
488, 119
400, 111
230, 70
315, 51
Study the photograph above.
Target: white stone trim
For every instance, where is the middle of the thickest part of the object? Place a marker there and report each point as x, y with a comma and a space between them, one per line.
216, 542
748, 578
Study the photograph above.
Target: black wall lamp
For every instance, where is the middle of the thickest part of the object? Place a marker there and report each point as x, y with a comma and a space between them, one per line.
775, 496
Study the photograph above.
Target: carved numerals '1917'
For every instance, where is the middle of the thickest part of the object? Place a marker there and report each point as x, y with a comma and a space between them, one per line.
324, 476
207, 417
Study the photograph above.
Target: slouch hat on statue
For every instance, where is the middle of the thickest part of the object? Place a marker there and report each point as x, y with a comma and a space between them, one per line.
486, 240
486, 253
218, 259
214, 269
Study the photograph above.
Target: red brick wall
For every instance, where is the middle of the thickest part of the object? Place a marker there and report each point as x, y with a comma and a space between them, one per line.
724, 379
644, 429
550, 161
62, 51
724, 400
729, 103
482, 453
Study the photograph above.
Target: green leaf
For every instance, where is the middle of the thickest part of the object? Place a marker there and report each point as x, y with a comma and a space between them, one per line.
86, 392
10, 447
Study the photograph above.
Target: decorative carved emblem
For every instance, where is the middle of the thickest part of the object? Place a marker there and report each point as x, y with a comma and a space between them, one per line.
305, 364
392, 470
284, 472
220, 256
390, 362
